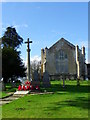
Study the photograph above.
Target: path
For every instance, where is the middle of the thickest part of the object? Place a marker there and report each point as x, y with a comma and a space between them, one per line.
12, 97
9, 99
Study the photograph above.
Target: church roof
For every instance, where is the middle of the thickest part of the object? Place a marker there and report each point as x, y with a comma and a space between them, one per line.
62, 39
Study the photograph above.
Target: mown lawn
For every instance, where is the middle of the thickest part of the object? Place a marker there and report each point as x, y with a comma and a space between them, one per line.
8, 90
68, 102
3, 94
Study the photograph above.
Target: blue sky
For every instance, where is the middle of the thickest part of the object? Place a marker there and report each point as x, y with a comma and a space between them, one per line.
45, 23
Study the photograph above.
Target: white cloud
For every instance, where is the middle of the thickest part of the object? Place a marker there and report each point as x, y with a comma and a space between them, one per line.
14, 25
85, 44
36, 57
87, 61
20, 26
24, 61
17, 26
3, 28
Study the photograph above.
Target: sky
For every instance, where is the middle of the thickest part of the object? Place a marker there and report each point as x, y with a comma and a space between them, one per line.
46, 22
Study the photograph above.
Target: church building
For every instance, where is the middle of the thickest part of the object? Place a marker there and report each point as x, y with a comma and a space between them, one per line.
63, 58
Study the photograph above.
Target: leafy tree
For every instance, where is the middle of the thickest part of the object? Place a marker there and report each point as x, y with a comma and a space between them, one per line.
12, 65
11, 38
35, 66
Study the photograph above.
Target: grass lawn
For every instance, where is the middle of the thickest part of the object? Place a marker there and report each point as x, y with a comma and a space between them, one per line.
3, 94
68, 102
9, 90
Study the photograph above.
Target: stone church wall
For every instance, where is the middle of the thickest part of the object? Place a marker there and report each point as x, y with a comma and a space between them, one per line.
63, 57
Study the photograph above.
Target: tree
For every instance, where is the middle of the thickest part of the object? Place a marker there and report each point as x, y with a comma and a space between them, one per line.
12, 65
11, 38
35, 66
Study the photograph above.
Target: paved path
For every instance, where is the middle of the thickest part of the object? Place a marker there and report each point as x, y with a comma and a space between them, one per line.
12, 97
9, 99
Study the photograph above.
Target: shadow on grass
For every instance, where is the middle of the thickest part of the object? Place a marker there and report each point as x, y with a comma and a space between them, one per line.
68, 88
79, 102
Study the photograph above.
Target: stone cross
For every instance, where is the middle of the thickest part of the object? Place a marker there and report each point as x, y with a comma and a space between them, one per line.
28, 59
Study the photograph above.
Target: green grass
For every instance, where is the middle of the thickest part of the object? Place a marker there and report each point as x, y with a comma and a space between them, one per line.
8, 90
68, 102
3, 94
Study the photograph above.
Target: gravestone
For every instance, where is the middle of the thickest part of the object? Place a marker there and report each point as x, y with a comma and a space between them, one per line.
46, 81
2, 86
35, 81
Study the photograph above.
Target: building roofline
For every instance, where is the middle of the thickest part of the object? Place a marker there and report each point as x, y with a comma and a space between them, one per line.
70, 44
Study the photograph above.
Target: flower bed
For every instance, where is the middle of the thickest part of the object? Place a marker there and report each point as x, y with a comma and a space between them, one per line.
27, 86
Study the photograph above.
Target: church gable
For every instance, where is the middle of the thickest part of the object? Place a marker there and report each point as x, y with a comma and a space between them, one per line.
61, 44
63, 57
62, 51
59, 57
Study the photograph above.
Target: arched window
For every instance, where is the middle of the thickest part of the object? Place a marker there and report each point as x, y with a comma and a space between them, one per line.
62, 55
61, 62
